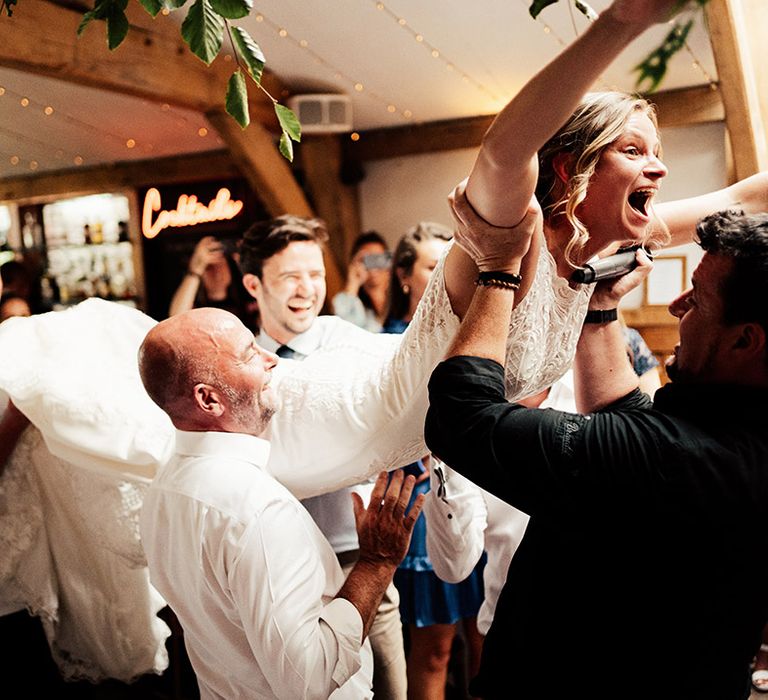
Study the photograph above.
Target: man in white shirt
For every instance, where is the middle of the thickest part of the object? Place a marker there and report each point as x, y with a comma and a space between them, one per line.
282, 262
265, 608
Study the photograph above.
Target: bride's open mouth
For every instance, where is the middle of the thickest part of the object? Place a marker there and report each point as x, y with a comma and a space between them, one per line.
640, 201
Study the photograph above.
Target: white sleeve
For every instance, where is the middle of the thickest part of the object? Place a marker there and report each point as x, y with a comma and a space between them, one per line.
505, 529
357, 407
75, 375
456, 522
307, 648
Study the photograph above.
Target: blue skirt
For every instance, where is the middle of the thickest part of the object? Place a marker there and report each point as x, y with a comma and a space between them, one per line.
426, 599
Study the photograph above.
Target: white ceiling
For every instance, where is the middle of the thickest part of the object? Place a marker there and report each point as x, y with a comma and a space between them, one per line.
486, 51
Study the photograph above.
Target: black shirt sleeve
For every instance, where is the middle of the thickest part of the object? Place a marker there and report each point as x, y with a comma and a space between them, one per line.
535, 459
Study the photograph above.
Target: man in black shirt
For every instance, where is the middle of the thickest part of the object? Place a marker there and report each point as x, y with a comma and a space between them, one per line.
644, 570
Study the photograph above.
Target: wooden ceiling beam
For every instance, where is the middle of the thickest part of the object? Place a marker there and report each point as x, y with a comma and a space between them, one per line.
153, 62
737, 29
683, 107
210, 165
412, 139
336, 203
269, 175
688, 106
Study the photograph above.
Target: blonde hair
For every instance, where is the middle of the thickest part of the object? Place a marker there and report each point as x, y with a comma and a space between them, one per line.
597, 122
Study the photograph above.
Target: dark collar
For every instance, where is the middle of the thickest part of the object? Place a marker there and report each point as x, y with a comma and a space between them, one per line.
723, 404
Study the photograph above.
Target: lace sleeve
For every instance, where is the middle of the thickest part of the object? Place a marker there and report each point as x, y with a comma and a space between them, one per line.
358, 407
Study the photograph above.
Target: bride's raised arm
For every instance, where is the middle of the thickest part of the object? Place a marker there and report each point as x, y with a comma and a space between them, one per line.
681, 216
505, 174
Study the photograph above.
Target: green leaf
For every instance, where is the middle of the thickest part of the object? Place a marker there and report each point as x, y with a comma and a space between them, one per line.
232, 9
237, 99
288, 122
152, 6
8, 5
286, 147
99, 11
250, 52
117, 26
538, 5
654, 67
203, 30
173, 4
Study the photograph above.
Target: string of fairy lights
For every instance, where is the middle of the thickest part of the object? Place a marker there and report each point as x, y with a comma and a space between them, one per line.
435, 52
336, 72
339, 74
16, 158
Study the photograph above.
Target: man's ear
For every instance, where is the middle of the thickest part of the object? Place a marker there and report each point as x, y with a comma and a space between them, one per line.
251, 283
751, 340
209, 400
561, 164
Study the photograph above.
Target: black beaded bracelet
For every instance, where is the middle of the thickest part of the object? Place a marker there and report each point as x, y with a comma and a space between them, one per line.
601, 316
501, 280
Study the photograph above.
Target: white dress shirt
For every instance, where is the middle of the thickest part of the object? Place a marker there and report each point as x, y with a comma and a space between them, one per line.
250, 577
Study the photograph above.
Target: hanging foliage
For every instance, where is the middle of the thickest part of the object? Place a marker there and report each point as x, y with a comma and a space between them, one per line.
7, 5
652, 69
207, 21
203, 30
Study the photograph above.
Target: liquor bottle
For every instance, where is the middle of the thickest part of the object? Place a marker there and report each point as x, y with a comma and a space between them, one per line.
98, 232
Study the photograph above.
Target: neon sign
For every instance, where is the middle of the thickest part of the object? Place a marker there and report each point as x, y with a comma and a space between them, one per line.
188, 212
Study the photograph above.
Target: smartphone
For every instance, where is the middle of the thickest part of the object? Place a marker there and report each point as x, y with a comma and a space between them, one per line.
377, 261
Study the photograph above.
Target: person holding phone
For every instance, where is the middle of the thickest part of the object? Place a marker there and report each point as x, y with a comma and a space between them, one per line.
213, 279
363, 301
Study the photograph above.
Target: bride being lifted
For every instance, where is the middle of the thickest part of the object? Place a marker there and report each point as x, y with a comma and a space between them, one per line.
588, 168
584, 169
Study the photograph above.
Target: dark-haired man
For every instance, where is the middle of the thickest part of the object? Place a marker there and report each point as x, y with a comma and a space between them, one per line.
649, 522
282, 264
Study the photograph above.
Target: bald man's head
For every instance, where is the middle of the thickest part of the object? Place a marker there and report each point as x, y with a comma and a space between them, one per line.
204, 369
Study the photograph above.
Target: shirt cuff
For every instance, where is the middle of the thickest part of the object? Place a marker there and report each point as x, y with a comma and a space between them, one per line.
456, 517
344, 620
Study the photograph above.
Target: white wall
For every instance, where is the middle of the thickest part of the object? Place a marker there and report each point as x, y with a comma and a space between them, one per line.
398, 192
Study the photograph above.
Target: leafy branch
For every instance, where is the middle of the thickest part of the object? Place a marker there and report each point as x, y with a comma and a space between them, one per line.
652, 69
203, 31
206, 21
7, 5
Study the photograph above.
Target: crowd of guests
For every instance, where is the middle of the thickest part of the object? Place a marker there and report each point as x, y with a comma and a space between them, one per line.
522, 507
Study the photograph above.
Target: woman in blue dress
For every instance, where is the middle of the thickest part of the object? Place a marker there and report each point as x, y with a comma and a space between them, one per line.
431, 608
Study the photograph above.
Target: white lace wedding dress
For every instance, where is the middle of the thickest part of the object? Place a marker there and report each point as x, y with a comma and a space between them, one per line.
70, 550
347, 412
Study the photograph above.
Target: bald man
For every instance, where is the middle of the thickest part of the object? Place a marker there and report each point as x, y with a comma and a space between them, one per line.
264, 606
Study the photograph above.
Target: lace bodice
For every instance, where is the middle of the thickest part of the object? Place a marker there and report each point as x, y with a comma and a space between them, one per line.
357, 406
543, 331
